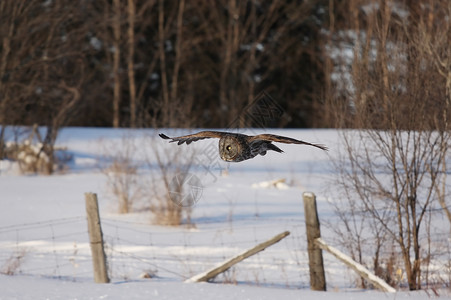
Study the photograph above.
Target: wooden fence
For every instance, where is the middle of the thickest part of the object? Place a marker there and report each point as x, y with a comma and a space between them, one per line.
315, 246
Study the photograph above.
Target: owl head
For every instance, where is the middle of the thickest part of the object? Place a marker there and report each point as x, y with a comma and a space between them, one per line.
230, 148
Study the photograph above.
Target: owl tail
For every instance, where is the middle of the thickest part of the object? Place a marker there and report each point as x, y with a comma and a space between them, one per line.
274, 148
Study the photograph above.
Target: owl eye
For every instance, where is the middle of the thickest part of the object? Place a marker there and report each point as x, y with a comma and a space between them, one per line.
229, 147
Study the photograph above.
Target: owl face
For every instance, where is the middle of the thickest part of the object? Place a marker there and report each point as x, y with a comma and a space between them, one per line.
230, 148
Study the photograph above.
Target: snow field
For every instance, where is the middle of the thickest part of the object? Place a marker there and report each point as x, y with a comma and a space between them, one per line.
43, 226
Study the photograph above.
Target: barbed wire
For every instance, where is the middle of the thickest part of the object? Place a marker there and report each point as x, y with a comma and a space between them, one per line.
38, 224
59, 267
114, 222
148, 262
228, 240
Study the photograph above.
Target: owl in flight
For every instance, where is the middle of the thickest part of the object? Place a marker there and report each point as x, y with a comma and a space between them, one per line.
238, 147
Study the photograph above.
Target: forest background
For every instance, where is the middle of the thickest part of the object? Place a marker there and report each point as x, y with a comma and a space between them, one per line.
155, 63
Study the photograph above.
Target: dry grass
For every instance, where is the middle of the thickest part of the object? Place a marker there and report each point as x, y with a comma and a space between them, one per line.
35, 155
149, 186
172, 164
13, 263
123, 180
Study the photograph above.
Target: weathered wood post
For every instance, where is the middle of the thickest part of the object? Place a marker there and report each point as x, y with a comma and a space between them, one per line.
360, 269
224, 266
96, 239
315, 255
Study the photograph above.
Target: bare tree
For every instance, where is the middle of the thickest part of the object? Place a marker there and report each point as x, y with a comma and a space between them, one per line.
146, 62
131, 10
432, 38
397, 95
116, 24
43, 65
256, 49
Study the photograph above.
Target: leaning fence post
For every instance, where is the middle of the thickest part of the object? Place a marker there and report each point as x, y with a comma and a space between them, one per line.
96, 239
224, 266
315, 255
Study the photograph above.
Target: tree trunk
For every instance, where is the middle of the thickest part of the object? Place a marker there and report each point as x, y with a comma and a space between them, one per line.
130, 62
116, 63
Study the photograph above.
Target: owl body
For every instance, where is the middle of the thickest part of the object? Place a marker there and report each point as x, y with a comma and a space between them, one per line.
235, 147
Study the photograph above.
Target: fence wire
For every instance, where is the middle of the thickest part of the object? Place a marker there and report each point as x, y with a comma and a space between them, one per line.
60, 249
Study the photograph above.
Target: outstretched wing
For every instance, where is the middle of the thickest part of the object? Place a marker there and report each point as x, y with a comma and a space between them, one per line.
193, 137
285, 140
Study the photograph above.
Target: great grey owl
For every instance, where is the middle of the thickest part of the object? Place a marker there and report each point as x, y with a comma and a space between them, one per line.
235, 147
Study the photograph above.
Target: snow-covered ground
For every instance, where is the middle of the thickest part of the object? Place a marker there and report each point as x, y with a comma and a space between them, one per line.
44, 240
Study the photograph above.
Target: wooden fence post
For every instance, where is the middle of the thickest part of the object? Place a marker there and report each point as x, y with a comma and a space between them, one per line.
360, 269
224, 266
315, 255
96, 239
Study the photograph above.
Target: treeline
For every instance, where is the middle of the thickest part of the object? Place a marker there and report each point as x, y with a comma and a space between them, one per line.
157, 63
140, 63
